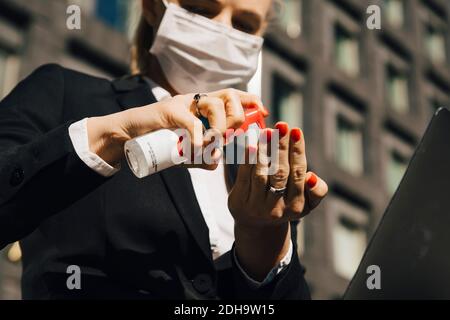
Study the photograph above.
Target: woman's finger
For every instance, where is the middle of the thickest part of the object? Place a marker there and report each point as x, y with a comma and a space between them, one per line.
260, 173
260, 178
250, 100
234, 110
317, 189
242, 185
213, 109
298, 166
194, 126
279, 179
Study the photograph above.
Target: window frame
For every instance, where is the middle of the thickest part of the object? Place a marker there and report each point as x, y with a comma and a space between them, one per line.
336, 208
391, 144
434, 92
335, 17
391, 59
406, 15
337, 107
272, 65
400, 72
429, 18
302, 22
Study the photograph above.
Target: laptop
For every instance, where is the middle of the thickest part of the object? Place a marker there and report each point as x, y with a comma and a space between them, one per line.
408, 257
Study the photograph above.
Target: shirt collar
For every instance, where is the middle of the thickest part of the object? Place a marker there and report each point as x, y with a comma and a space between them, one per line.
159, 92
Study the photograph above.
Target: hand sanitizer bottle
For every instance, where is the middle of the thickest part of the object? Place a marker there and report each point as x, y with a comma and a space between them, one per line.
162, 149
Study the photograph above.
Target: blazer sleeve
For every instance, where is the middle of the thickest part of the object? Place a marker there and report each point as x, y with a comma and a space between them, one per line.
290, 284
40, 173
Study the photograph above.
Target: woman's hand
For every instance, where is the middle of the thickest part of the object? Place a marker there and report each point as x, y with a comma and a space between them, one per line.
224, 109
262, 228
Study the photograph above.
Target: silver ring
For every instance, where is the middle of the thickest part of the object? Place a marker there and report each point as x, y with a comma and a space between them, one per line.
278, 192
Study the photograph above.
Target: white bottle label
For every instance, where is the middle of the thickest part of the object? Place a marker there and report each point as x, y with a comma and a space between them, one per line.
153, 152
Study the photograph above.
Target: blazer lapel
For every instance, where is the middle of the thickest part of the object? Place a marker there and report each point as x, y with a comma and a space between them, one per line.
179, 184
132, 92
135, 92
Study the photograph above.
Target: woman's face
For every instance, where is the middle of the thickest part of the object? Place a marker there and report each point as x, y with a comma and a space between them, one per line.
249, 16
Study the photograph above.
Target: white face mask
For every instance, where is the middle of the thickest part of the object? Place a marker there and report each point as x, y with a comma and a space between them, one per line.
198, 54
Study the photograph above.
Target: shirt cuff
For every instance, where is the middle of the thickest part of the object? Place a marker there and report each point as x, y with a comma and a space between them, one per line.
272, 274
80, 141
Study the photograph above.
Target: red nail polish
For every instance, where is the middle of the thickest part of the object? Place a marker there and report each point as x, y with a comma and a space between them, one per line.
296, 134
180, 146
180, 150
283, 128
312, 181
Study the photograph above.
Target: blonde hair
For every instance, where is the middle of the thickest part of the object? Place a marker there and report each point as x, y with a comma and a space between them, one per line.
143, 39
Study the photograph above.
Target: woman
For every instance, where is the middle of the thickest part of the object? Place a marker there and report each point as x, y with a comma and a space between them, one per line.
175, 234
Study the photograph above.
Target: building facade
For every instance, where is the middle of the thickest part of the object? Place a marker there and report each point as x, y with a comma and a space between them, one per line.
363, 98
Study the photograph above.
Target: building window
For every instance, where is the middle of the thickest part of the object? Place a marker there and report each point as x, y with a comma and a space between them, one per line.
114, 13
349, 243
282, 89
291, 18
395, 13
397, 90
397, 166
347, 52
348, 228
437, 97
345, 134
349, 146
87, 6
396, 161
435, 42
288, 102
434, 106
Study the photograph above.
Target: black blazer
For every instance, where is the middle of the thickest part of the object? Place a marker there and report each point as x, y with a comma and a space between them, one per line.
131, 238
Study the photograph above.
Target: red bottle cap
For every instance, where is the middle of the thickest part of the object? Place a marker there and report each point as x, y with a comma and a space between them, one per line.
253, 115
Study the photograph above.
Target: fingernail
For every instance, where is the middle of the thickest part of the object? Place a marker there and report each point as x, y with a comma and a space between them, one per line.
253, 105
283, 128
296, 134
265, 112
312, 181
180, 147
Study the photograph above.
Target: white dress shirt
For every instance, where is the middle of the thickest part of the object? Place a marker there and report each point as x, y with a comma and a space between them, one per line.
209, 186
